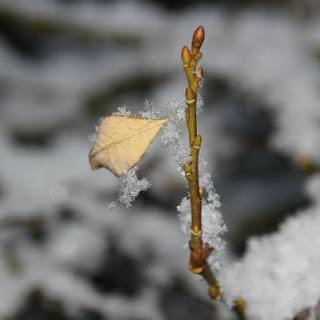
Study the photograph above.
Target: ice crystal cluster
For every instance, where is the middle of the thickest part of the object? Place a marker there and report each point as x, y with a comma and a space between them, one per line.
122, 111
280, 273
173, 135
131, 186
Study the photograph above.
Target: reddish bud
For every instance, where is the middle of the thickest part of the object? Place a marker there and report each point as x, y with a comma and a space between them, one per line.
198, 258
198, 38
185, 55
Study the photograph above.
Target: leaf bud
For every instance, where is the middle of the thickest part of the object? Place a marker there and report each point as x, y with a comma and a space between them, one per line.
190, 96
198, 38
185, 56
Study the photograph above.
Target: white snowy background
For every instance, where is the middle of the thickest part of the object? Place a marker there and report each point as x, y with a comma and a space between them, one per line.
63, 65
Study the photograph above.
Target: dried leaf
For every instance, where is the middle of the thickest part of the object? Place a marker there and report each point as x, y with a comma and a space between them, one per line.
122, 141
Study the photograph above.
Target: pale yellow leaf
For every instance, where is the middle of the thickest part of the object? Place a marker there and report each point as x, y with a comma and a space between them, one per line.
122, 141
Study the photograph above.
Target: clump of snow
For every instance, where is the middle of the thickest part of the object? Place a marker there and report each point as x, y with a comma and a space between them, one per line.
184, 209
131, 186
280, 273
213, 226
207, 183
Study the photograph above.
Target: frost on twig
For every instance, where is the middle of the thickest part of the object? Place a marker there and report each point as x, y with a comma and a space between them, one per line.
213, 227
174, 139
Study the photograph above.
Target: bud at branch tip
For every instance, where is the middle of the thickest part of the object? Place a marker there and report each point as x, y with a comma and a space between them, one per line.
198, 38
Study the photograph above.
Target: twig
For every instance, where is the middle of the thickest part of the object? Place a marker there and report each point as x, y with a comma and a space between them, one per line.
199, 252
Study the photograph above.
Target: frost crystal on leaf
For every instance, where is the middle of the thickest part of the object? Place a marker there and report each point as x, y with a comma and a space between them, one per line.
131, 186
93, 136
150, 112
122, 111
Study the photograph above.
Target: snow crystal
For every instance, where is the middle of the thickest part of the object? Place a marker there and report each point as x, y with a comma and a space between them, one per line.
93, 136
131, 186
200, 103
150, 111
184, 210
112, 207
122, 111
279, 275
